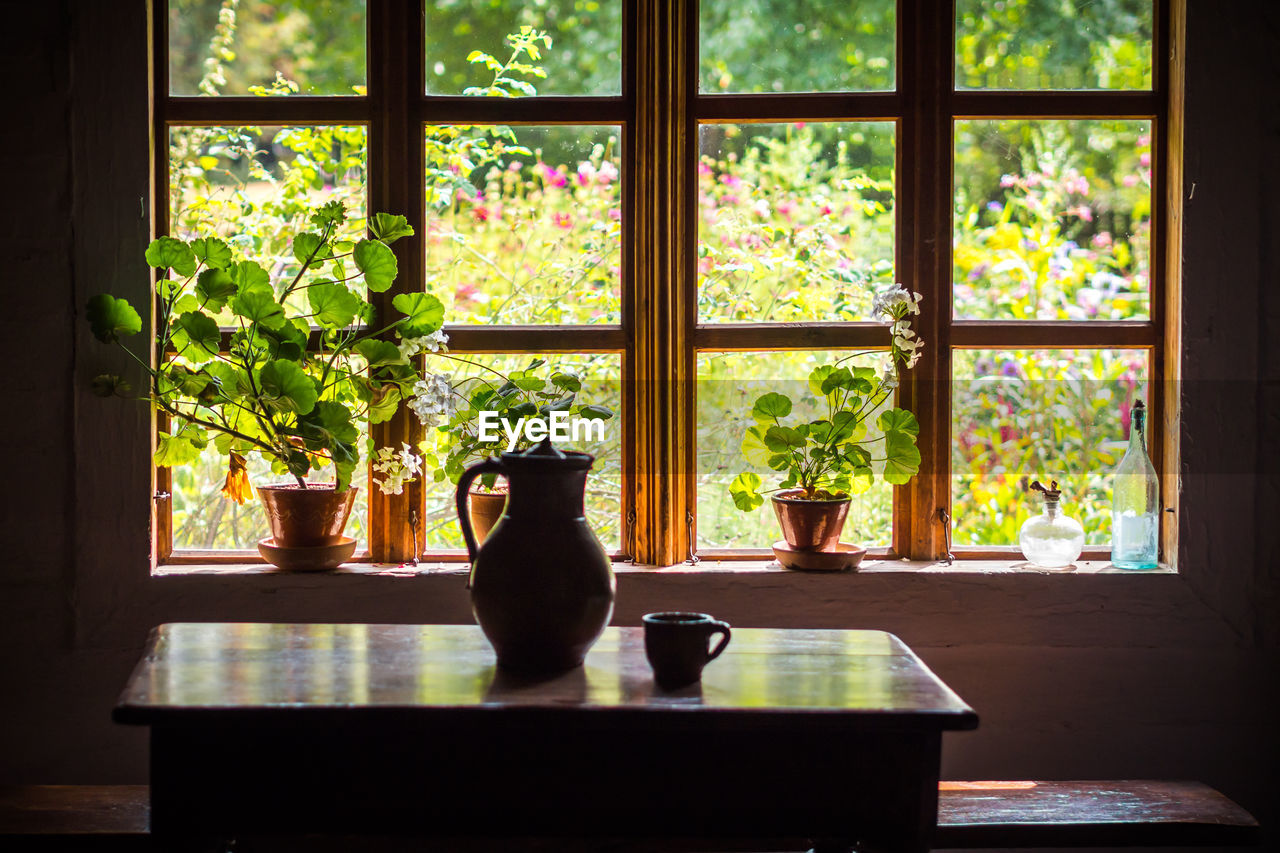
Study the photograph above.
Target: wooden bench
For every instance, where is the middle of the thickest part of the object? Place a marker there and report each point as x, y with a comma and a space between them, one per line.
1089, 814
115, 818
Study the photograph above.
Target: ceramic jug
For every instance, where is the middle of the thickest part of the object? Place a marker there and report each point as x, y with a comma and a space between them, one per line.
542, 586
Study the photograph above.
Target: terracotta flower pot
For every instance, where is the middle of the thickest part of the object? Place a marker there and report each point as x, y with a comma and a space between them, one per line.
810, 525
485, 508
306, 518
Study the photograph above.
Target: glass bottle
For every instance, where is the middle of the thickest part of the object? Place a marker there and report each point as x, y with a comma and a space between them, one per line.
1051, 540
1135, 502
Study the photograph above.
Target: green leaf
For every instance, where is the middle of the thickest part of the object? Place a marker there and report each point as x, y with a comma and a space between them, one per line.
170, 253
213, 252
860, 479
383, 403
902, 457
333, 305
196, 337
389, 228
377, 262
898, 420
327, 424
567, 381
745, 489
310, 248
213, 288
249, 275
770, 407
173, 451
781, 439
840, 378
286, 387
818, 376
378, 353
260, 307
424, 314
753, 446
108, 385
333, 214
595, 413
110, 317
526, 380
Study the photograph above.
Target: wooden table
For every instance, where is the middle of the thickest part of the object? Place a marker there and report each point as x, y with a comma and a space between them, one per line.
412, 730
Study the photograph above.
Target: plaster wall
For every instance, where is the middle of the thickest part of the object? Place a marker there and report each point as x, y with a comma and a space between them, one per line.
1074, 677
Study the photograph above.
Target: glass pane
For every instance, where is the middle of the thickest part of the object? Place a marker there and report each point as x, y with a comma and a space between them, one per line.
524, 224
1053, 220
267, 47
516, 48
1023, 415
1053, 44
728, 386
601, 378
796, 45
795, 221
204, 520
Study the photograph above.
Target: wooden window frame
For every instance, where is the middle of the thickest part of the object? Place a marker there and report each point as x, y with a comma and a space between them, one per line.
658, 338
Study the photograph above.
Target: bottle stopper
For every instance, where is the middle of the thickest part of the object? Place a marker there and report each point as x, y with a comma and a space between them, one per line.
1051, 493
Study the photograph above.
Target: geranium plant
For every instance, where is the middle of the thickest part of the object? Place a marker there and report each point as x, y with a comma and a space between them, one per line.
833, 456
305, 359
480, 415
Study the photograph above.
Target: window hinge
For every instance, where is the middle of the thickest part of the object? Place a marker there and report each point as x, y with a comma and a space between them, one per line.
413, 531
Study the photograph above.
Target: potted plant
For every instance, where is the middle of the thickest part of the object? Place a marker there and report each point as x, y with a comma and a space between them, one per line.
827, 458
303, 362
479, 416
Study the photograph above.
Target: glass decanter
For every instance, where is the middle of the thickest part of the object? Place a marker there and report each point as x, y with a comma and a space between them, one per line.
1051, 540
1135, 502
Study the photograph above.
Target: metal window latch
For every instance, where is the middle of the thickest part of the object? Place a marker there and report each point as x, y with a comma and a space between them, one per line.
694, 559
161, 496
628, 543
412, 527
945, 518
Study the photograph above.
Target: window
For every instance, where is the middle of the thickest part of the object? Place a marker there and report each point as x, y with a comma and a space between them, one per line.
691, 202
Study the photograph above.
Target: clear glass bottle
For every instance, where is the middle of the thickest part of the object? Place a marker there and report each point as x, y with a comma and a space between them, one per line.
1051, 540
1135, 502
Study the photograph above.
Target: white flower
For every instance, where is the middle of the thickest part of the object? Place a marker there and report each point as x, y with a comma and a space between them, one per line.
896, 302
437, 341
890, 379
433, 398
393, 469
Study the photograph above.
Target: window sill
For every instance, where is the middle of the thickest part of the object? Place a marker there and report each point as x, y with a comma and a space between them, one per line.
716, 567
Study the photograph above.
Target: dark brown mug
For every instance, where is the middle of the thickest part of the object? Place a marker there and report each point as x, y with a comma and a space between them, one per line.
678, 645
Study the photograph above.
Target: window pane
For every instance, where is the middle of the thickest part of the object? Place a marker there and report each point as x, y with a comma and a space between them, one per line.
601, 377
1023, 415
1053, 220
267, 47
1053, 44
524, 224
796, 45
474, 47
795, 221
728, 386
204, 520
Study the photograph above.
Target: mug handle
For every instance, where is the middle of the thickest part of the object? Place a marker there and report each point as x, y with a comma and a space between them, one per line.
486, 466
718, 627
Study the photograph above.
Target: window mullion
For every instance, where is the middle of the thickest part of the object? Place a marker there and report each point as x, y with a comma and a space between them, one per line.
662, 277
925, 38
394, 68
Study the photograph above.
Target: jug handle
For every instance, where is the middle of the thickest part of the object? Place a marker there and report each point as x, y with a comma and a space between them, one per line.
487, 466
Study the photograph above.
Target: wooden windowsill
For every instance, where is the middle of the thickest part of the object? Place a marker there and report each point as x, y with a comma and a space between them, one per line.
718, 567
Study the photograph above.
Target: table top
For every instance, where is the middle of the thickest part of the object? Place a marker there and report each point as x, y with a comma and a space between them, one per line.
194, 673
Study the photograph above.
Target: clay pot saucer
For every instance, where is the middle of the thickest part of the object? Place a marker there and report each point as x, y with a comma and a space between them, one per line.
842, 558
308, 558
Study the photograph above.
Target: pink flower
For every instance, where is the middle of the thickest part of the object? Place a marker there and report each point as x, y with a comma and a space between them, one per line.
465, 293
554, 177
786, 208
1145, 158
481, 213
1007, 180
1101, 240
703, 168
585, 173
730, 181
563, 220
607, 173
1082, 211
825, 210
1129, 180
615, 214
